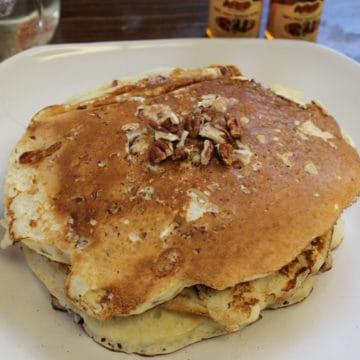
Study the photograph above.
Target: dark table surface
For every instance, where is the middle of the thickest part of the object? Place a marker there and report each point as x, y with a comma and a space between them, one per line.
104, 20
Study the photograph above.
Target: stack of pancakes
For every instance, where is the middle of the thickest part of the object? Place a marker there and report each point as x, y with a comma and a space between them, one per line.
176, 206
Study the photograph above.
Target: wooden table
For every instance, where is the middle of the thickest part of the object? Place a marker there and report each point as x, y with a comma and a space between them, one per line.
104, 20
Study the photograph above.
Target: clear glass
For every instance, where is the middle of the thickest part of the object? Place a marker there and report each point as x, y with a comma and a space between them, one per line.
26, 23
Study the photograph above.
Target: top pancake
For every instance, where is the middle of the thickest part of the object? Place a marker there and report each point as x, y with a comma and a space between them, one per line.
81, 188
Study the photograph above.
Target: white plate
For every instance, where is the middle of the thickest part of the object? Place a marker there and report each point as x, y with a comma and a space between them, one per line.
325, 326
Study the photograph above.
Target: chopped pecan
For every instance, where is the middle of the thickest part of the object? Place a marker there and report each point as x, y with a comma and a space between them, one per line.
207, 100
192, 124
138, 145
170, 126
219, 119
181, 153
166, 136
159, 113
220, 104
183, 137
160, 150
166, 126
206, 114
223, 129
207, 152
225, 152
154, 125
233, 124
210, 132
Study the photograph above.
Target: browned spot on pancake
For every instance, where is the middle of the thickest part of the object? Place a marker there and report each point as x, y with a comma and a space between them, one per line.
35, 156
309, 257
242, 300
292, 282
321, 241
32, 223
168, 262
316, 241
229, 70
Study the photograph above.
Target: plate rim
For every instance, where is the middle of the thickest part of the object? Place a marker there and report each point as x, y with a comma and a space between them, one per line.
186, 41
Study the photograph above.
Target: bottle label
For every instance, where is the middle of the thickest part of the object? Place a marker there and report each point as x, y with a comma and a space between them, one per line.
299, 20
235, 18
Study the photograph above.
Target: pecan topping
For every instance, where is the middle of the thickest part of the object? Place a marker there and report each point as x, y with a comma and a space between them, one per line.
138, 145
35, 156
181, 153
158, 113
183, 137
219, 120
192, 125
155, 126
207, 152
210, 132
160, 150
195, 135
166, 136
233, 125
225, 152
168, 125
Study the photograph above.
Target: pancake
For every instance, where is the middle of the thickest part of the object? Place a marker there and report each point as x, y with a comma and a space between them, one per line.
197, 313
242, 304
197, 176
157, 331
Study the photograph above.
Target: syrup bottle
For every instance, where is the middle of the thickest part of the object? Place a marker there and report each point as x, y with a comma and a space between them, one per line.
234, 18
294, 19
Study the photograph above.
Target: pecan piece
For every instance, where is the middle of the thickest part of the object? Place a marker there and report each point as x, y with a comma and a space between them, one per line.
207, 152
210, 132
166, 136
166, 126
159, 113
192, 125
170, 126
219, 119
233, 124
160, 150
183, 137
225, 152
138, 145
154, 125
181, 153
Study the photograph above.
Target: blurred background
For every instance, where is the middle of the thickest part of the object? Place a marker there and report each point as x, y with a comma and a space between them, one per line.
113, 20
103, 20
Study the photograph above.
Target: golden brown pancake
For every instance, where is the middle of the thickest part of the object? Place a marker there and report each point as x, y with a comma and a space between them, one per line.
197, 312
195, 177
240, 305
